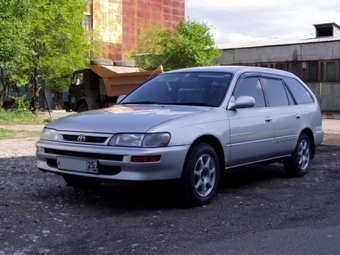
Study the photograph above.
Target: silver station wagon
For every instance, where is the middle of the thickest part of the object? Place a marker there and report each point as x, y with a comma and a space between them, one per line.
188, 125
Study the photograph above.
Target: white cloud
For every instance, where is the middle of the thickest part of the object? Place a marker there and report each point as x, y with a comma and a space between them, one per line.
244, 20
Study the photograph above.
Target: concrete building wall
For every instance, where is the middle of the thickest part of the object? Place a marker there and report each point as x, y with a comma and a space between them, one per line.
119, 21
328, 94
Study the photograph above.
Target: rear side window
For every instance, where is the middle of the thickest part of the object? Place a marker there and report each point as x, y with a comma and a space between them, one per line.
300, 93
275, 91
251, 86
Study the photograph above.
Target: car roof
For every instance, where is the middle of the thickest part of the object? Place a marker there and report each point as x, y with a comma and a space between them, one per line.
234, 69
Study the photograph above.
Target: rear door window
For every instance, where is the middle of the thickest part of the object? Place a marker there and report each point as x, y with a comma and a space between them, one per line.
300, 93
275, 92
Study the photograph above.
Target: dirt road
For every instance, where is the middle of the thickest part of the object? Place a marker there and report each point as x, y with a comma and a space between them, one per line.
259, 211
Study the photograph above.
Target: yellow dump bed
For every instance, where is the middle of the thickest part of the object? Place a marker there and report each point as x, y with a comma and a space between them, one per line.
121, 80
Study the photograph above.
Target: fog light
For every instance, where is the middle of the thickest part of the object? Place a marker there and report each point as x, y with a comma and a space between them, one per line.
146, 159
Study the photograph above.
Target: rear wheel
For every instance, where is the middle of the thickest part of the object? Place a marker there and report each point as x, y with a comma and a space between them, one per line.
81, 183
200, 175
82, 108
297, 165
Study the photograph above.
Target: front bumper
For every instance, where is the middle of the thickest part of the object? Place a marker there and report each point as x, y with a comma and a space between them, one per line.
114, 163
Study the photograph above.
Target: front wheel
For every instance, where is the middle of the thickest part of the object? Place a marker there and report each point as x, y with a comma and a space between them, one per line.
82, 108
297, 165
200, 175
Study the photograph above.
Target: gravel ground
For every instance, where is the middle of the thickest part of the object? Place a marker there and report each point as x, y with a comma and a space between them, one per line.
39, 214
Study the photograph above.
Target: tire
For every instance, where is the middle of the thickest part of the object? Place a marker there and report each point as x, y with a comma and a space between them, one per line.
67, 107
124, 63
82, 108
81, 183
104, 62
297, 165
200, 175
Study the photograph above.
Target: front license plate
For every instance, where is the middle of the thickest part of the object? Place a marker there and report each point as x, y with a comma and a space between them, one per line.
79, 165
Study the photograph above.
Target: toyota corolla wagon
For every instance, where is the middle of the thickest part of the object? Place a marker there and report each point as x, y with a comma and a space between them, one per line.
188, 125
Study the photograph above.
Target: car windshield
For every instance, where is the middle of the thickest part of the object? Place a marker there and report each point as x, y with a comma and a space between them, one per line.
184, 88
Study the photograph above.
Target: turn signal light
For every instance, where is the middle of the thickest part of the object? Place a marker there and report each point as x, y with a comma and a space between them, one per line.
146, 159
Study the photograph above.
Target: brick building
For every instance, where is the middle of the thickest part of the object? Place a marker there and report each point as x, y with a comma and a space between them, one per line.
119, 21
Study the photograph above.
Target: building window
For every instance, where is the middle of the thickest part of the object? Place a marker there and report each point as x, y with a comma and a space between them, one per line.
279, 66
86, 22
330, 71
296, 69
312, 71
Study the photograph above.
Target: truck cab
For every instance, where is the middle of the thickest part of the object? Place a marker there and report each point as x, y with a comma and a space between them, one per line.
100, 86
84, 91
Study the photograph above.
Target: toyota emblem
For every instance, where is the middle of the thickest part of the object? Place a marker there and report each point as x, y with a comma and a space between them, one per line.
81, 138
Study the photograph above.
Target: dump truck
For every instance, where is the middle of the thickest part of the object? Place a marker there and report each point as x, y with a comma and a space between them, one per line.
100, 85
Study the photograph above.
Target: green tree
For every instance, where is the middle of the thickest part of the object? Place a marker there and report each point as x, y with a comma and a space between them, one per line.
42, 42
12, 41
190, 44
57, 43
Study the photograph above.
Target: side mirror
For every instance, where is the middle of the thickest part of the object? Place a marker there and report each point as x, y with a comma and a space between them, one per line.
241, 102
120, 98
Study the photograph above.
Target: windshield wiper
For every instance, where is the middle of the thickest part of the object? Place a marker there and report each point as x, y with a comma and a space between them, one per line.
196, 104
142, 102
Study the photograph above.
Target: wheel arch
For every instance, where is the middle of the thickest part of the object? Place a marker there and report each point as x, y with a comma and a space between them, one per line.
310, 135
215, 143
80, 102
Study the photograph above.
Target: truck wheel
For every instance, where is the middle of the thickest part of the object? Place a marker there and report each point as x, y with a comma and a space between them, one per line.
82, 108
297, 165
104, 62
200, 175
81, 183
67, 107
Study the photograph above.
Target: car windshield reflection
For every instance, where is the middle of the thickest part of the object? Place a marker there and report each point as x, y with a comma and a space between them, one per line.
196, 88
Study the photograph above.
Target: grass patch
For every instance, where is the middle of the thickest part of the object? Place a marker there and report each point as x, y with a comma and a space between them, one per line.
18, 134
21, 117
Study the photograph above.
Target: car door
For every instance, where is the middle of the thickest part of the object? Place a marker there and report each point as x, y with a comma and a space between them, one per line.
286, 114
251, 129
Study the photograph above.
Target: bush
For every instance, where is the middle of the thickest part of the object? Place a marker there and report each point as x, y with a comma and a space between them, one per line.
20, 104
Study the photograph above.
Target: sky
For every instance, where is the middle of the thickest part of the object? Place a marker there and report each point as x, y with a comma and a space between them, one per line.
239, 21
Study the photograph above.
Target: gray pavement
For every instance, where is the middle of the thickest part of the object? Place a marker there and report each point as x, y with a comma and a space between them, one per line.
331, 126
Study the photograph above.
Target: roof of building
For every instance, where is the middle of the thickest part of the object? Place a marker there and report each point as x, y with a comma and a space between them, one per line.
278, 42
281, 41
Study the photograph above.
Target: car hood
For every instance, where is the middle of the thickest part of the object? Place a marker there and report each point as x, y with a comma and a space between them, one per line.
124, 118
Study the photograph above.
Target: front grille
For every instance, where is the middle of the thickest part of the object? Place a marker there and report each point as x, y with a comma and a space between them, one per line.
88, 139
85, 154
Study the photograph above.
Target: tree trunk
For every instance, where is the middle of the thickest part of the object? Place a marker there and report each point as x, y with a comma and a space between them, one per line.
35, 95
4, 91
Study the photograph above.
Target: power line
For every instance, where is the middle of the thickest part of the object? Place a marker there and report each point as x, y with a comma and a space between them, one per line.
221, 9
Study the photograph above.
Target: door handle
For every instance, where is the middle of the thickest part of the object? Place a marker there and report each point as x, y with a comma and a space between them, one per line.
267, 119
298, 116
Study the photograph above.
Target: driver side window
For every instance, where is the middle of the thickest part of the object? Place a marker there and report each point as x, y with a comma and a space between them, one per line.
250, 86
78, 78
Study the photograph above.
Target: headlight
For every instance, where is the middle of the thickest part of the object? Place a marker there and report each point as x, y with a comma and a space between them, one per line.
141, 140
49, 134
